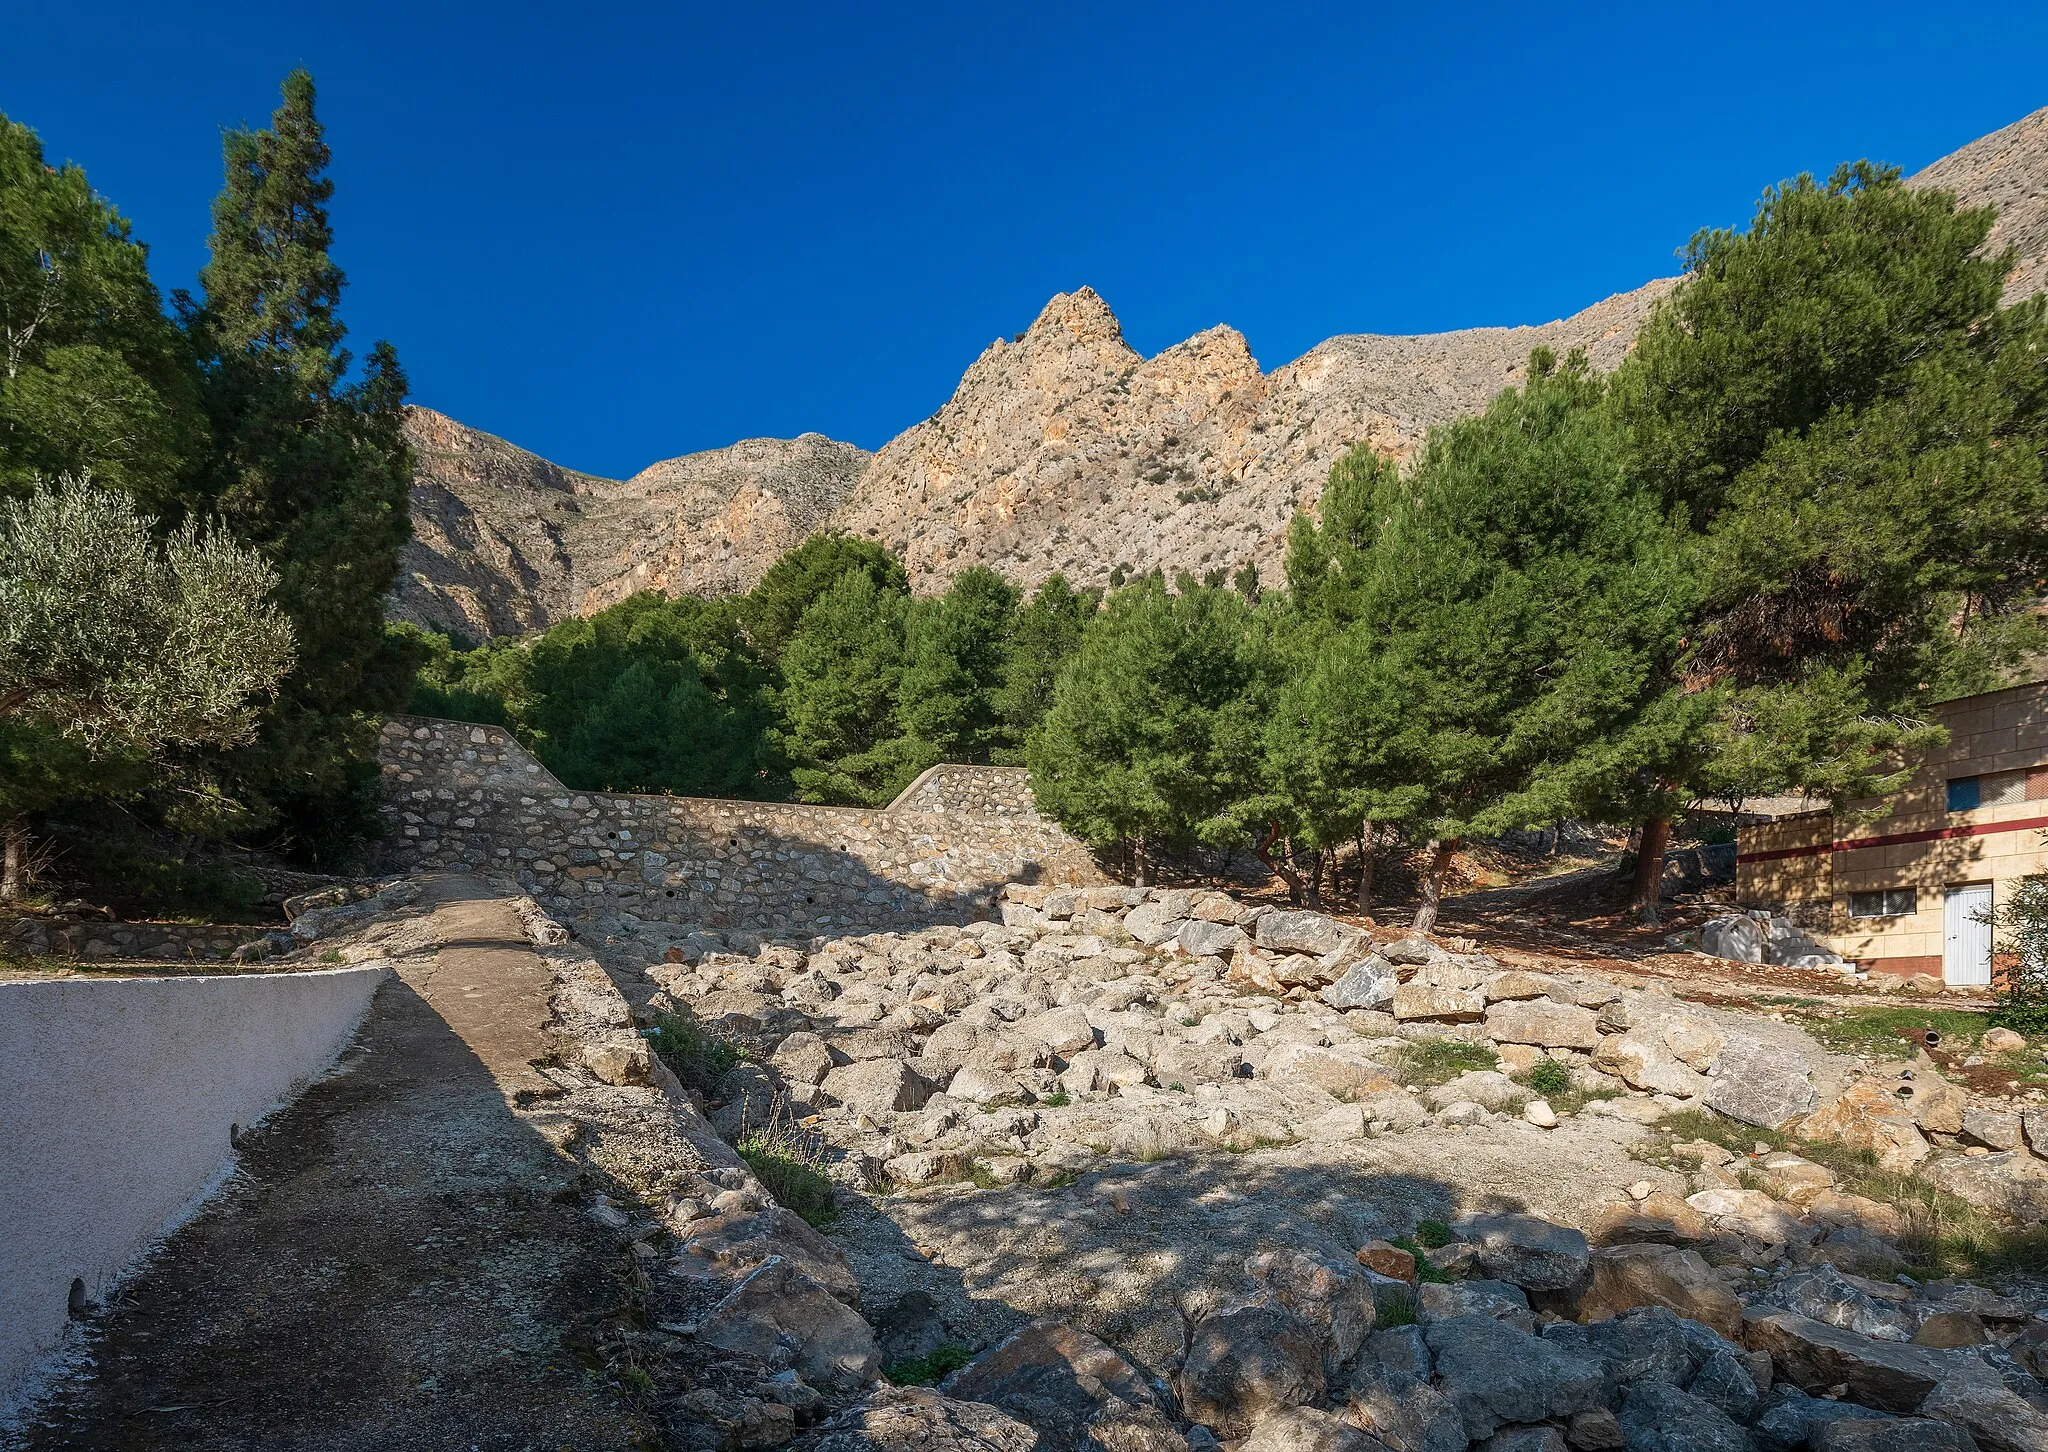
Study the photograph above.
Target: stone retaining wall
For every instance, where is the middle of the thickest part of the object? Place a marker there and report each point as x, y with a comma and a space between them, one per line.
470, 798
94, 939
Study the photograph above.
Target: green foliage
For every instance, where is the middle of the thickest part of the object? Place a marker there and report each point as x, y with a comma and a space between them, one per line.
1426, 1062
1547, 1076
841, 670
2022, 921
930, 1369
1045, 633
1425, 1273
308, 465
776, 605
790, 1173
1850, 426
1433, 1234
1154, 727
693, 1053
956, 657
93, 378
1886, 1033
121, 654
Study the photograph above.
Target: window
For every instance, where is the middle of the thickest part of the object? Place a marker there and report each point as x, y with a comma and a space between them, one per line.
1997, 789
1885, 902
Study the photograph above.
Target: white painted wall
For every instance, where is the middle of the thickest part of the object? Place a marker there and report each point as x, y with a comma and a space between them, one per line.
116, 1098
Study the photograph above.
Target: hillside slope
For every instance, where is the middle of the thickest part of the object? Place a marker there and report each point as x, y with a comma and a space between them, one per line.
1063, 450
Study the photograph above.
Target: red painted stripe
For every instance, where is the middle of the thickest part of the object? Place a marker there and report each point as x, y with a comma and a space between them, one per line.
1938, 834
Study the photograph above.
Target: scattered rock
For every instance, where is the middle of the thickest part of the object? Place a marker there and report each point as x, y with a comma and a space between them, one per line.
1626, 1276
1526, 1251
776, 1300
1497, 1375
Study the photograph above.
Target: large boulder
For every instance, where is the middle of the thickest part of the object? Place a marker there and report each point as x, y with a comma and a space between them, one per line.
1489, 1087
1334, 1300
1759, 1084
1153, 923
1450, 1005
1496, 1375
1215, 1061
879, 1086
1074, 1390
1660, 1418
1545, 1024
777, 1303
1441, 1300
1815, 1357
1345, 1074
1304, 1429
1998, 1418
1795, 1421
1865, 1117
912, 1419
1391, 1396
1063, 1030
1210, 940
1625, 1276
1866, 1433
1824, 1294
1244, 1363
1368, 983
1302, 932
1642, 1060
2012, 1184
1527, 1251
802, 1058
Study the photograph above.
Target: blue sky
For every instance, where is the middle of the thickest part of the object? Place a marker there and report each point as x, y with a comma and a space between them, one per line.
618, 233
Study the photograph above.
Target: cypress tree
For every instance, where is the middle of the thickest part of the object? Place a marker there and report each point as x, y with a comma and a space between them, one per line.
310, 467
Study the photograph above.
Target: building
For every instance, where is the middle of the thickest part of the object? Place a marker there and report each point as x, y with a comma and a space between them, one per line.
1912, 891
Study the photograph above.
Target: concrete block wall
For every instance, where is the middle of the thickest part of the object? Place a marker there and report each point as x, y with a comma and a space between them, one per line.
471, 798
117, 1101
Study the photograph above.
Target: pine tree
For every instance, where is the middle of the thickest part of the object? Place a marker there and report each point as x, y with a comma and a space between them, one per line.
1839, 408
309, 466
841, 669
956, 650
1152, 740
1489, 641
772, 609
94, 380
1045, 634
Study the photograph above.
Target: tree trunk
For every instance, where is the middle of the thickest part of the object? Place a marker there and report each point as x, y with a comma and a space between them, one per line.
1365, 869
1137, 862
1439, 851
13, 857
1649, 880
1286, 874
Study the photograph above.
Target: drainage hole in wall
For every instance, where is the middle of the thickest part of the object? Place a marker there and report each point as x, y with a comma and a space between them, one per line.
75, 1303
670, 893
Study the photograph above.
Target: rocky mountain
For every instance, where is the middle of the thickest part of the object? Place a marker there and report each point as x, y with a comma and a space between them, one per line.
1063, 449
505, 542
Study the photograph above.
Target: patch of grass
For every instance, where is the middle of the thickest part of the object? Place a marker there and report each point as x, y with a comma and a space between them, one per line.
1058, 1099
1397, 1313
1548, 1077
789, 1163
1261, 1143
1433, 1234
1060, 1180
1427, 1062
931, 1368
333, 955
693, 1053
1884, 1032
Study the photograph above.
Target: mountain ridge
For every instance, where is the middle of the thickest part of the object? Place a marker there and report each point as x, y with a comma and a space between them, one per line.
1063, 449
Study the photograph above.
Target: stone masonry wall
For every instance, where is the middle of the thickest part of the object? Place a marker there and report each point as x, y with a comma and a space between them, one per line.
990, 791
470, 798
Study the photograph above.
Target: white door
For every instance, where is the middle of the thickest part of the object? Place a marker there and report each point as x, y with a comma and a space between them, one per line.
1966, 934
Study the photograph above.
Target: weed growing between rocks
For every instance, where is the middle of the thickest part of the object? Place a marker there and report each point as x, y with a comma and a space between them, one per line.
1427, 1062
1548, 1077
1942, 1235
931, 1368
790, 1163
693, 1053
